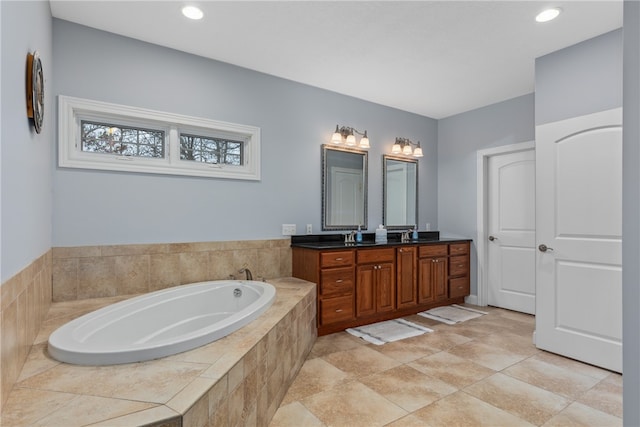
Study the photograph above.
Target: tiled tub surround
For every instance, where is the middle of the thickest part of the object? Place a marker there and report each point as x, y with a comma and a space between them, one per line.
238, 380
24, 301
104, 271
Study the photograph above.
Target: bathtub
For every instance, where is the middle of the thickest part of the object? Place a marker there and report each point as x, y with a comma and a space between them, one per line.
161, 323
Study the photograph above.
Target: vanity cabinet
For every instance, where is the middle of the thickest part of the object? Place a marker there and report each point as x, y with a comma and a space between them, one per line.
406, 276
361, 285
458, 280
334, 274
432, 273
375, 281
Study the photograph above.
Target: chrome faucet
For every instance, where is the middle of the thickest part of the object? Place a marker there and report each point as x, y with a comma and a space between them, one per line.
405, 236
247, 272
350, 237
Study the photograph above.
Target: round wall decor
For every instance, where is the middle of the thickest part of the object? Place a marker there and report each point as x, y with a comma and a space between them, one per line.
35, 90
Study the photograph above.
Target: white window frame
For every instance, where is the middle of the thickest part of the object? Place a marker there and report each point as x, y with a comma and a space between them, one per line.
71, 112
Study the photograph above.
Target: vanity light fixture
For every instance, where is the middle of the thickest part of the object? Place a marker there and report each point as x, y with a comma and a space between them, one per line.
345, 135
192, 12
403, 146
548, 14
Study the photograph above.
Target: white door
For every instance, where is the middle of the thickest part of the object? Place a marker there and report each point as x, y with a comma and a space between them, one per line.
579, 233
511, 231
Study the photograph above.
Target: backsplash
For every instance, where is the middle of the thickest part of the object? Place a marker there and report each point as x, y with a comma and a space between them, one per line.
100, 271
24, 302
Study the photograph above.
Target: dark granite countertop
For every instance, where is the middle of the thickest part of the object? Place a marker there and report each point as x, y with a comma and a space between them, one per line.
336, 241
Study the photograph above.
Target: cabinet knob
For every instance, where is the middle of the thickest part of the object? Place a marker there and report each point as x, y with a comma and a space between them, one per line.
339, 259
339, 310
339, 281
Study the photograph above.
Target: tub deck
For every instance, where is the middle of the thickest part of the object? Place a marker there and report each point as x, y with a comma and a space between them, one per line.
237, 380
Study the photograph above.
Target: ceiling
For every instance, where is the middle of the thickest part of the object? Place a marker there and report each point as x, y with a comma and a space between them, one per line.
433, 58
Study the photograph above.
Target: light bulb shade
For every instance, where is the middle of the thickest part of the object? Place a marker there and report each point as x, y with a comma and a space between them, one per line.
396, 149
192, 12
336, 138
548, 14
351, 140
417, 152
406, 150
364, 142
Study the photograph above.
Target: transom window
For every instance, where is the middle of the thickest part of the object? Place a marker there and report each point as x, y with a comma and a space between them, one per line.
210, 150
121, 140
99, 135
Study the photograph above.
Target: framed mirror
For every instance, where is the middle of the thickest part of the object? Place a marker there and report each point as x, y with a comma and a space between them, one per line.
400, 192
344, 188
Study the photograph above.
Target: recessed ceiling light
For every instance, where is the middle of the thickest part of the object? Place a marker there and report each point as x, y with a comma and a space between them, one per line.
548, 14
192, 12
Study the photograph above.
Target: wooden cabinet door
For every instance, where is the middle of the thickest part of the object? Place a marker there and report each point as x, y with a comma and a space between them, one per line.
440, 278
425, 281
365, 290
385, 287
406, 266
432, 279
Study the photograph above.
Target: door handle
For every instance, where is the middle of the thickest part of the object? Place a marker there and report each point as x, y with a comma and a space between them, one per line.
544, 248
492, 238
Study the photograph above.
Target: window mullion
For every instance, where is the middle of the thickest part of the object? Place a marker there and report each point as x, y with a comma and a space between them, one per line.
173, 145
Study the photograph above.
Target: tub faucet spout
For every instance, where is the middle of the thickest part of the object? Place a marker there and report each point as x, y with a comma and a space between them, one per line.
247, 272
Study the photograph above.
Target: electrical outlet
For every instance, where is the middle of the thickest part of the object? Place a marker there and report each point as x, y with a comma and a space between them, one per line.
309, 229
428, 227
288, 229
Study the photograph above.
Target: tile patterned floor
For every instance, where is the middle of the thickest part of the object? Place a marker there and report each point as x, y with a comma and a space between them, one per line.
483, 372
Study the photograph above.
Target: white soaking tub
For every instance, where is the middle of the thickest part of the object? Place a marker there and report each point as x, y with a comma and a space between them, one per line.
161, 323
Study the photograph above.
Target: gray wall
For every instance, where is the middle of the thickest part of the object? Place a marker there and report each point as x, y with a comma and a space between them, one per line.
631, 215
25, 175
459, 138
581, 79
91, 207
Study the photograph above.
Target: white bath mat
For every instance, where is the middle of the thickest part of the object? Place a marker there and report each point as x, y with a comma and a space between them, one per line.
452, 314
388, 331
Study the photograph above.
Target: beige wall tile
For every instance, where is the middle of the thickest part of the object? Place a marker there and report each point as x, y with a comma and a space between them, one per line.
193, 267
197, 415
221, 265
236, 405
132, 274
236, 375
267, 263
26, 300
96, 277
9, 351
83, 272
164, 271
120, 250
10, 290
76, 252
65, 279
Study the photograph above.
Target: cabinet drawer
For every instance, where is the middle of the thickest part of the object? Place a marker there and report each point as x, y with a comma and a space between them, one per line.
336, 281
336, 259
336, 309
458, 265
459, 287
366, 256
432, 250
458, 249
